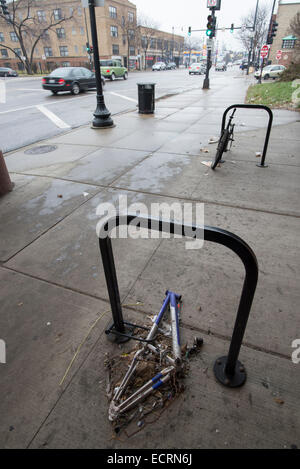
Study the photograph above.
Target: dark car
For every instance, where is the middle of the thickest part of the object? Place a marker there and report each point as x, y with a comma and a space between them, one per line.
7, 72
73, 79
171, 66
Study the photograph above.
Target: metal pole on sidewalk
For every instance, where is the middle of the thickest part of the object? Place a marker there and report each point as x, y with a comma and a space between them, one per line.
208, 65
102, 117
252, 39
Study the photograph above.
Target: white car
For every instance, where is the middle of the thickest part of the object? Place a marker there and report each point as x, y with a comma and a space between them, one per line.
196, 69
159, 66
271, 71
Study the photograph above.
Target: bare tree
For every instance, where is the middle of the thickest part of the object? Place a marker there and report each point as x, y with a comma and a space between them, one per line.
130, 34
192, 44
30, 25
147, 30
295, 30
250, 40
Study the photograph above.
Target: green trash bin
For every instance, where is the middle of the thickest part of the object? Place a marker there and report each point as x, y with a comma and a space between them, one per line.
146, 94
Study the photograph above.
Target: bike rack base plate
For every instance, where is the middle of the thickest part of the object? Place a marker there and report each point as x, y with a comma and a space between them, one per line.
231, 381
117, 337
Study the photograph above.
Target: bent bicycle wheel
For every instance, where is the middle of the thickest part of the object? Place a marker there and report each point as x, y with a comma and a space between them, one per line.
222, 146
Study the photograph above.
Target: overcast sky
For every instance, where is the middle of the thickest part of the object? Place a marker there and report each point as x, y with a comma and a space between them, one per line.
184, 13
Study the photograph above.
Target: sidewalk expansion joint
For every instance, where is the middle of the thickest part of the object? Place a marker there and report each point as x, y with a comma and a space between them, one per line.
204, 201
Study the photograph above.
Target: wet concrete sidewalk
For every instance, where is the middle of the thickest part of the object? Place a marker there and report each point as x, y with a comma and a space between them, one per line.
53, 288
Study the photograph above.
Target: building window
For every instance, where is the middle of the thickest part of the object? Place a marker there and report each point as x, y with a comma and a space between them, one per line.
66, 64
288, 43
41, 16
112, 12
48, 51
63, 51
61, 33
79, 11
45, 36
115, 49
76, 49
131, 33
131, 50
4, 53
130, 17
124, 39
57, 14
81, 31
153, 43
166, 45
114, 31
13, 36
73, 30
159, 44
1, 37
123, 20
84, 49
18, 51
71, 11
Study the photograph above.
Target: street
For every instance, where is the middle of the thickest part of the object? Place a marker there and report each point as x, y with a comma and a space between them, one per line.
31, 114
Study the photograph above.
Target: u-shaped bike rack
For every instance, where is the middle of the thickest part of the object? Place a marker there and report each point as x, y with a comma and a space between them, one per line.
254, 106
228, 370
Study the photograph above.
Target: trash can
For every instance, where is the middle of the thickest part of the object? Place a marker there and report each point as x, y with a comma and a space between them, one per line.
146, 93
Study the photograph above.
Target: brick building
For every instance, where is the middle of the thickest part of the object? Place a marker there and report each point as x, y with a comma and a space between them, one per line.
65, 44
284, 40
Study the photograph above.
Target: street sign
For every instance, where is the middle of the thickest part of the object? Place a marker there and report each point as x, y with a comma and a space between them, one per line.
264, 51
98, 3
278, 54
216, 4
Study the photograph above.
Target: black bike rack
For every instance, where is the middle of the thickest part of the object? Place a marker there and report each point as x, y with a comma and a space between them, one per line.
228, 370
254, 106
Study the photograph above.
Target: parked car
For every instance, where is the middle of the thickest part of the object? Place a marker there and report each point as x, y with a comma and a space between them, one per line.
171, 66
196, 69
159, 66
221, 66
113, 69
244, 65
73, 79
7, 72
270, 71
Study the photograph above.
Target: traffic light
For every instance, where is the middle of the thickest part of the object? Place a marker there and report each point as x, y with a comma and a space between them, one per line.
232, 28
4, 7
209, 27
89, 48
190, 31
272, 32
274, 29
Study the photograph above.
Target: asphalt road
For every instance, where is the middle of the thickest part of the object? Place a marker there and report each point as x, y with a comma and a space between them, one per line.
30, 114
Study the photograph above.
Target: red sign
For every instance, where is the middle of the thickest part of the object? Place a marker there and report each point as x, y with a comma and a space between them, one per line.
264, 51
278, 54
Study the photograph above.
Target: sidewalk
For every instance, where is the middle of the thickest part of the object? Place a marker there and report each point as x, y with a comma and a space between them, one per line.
53, 287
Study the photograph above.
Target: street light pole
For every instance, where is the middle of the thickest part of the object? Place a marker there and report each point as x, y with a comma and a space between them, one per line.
102, 117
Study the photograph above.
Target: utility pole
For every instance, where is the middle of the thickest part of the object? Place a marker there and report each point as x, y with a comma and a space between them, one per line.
252, 39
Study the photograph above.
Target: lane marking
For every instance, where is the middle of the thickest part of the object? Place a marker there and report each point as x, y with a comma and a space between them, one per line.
53, 117
124, 97
43, 104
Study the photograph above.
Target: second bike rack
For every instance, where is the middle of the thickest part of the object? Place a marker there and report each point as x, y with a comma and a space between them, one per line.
228, 370
254, 106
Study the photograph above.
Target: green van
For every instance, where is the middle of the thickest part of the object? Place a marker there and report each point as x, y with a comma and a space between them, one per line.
113, 69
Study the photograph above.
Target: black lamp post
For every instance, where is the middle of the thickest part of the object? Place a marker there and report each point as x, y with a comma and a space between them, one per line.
102, 117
